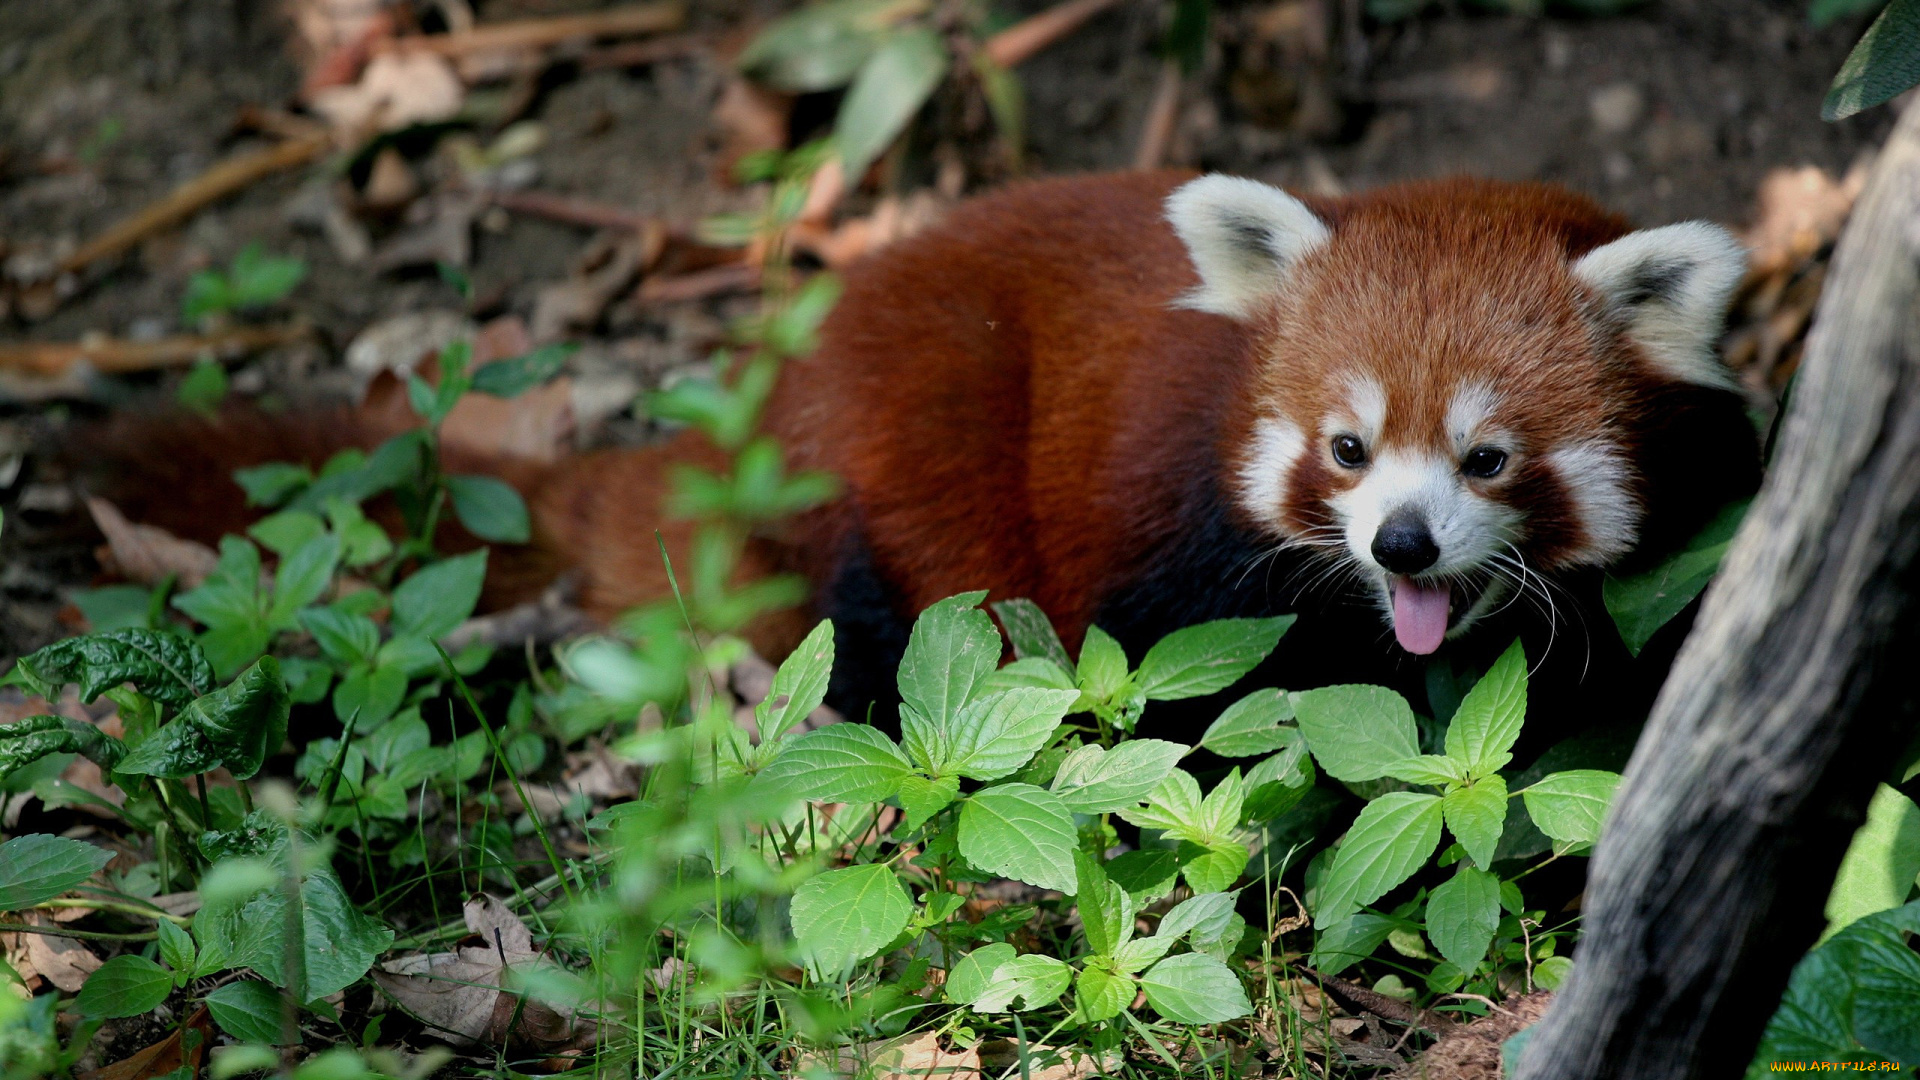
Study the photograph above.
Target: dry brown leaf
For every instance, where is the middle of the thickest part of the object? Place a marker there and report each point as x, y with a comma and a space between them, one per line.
600, 776
64, 962
920, 1057
164, 1056
1800, 211
605, 269
396, 90
751, 119
893, 219
534, 426
390, 182
462, 994
1472, 1051
146, 554
439, 230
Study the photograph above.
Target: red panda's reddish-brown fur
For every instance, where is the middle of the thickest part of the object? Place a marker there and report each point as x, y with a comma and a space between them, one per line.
1014, 401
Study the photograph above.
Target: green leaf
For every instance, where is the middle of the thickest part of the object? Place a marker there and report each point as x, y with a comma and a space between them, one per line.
204, 388
1643, 603
1477, 815
1852, 998
301, 579
1205, 916
1394, 835
236, 727
1884, 63
1145, 875
1209, 657
251, 1012
1824, 12
1356, 732
1034, 980
1102, 994
1095, 780
1214, 866
1428, 769
490, 509
274, 483
1886, 999
372, 694
1881, 863
846, 763
844, 916
952, 649
1251, 726
799, 686
258, 279
126, 985
992, 736
254, 922
284, 533
1194, 988
1031, 633
1462, 914
163, 665
1105, 915
176, 950
922, 798
207, 293
1487, 723
1173, 807
345, 638
115, 607
1103, 664
1031, 672
26, 741
38, 867
1349, 941
821, 46
1140, 954
519, 374
886, 93
437, 598
1569, 806
1551, 973
975, 971
1022, 832
1277, 783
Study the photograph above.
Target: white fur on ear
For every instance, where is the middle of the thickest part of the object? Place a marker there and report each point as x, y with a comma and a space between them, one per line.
1672, 285
1242, 236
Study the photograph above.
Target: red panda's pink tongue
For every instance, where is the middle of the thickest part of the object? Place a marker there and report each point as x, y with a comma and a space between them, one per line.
1419, 614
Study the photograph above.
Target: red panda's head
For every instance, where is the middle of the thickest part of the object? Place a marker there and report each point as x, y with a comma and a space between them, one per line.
1458, 386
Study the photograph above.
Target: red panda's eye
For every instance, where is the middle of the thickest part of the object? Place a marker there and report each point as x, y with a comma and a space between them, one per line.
1348, 450
1484, 462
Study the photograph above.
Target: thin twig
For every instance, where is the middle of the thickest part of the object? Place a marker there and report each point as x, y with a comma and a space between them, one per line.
543, 33
1017, 43
111, 355
1156, 136
189, 198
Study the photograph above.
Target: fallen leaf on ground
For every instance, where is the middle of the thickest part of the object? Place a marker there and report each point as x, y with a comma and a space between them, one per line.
145, 553
751, 119
534, 426
462, 994
64, 962
1800, 211
605, 269
396, 90
163, 1057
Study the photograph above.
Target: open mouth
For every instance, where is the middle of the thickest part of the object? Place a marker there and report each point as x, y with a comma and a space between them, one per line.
1424, 612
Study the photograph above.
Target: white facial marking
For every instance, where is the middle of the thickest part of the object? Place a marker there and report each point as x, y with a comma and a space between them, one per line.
1366, 409
1595, 476
1467, 528
1276, 447
1467, 415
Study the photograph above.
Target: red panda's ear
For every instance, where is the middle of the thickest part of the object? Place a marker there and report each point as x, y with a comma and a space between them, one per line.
1243, 237
1671, 287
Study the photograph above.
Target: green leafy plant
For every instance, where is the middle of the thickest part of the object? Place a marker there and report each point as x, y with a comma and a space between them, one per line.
253, 280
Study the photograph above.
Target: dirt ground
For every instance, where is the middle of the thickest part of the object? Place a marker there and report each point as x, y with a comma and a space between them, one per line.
1673, 109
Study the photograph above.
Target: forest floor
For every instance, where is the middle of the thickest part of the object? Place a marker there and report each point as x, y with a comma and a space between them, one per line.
492, 213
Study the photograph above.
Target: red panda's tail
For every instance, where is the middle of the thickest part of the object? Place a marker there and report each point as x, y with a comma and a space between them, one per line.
594, 514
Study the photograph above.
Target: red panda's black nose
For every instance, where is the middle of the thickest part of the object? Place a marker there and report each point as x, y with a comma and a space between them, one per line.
1403, 544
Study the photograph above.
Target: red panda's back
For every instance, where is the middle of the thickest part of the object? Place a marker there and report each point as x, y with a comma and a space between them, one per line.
1010, 399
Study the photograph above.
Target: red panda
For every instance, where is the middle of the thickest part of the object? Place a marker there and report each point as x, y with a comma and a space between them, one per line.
1149, 399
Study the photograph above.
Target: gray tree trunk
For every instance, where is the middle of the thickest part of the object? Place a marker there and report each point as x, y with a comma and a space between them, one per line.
1787, 703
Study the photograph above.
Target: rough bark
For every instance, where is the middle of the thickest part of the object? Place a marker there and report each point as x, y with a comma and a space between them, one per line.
1785, 706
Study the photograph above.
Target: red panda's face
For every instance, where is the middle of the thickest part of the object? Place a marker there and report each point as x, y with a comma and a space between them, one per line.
1444, 397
